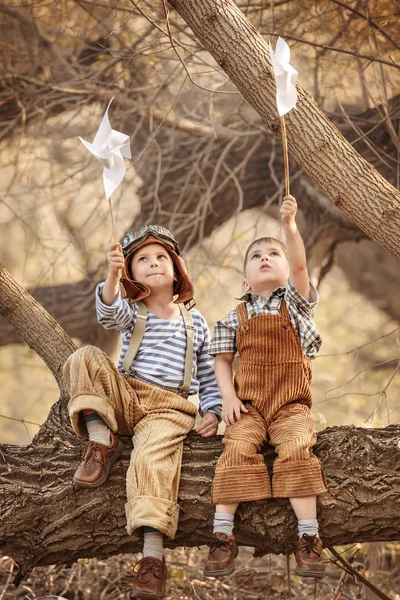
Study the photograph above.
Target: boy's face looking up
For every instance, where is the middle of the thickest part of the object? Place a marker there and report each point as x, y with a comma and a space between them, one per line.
266, 266
153, 266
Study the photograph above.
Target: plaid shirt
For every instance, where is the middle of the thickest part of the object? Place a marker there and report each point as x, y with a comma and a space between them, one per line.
301, 314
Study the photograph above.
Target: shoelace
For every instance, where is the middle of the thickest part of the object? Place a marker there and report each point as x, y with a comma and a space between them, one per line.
223, 544
309, 544
149, 565
93, 451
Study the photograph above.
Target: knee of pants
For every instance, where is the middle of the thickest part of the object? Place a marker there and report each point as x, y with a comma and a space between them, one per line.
80, 356
298, 448
152, 459
239, 452
86, 353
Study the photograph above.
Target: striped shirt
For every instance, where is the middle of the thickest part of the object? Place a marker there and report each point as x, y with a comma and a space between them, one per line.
161, 356
301, 314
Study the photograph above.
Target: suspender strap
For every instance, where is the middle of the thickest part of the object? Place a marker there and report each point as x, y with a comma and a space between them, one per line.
241, 312
188, 321
136, 339
284, 310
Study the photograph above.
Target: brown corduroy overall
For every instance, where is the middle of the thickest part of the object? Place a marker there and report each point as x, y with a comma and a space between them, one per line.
273, 379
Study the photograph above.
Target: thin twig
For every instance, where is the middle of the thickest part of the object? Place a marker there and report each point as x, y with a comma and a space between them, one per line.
359, 576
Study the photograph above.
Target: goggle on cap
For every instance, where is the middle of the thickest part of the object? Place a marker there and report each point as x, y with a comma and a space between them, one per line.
135, 238
148, 234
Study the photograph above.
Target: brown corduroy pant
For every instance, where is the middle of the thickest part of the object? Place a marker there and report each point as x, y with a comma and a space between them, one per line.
158, 419
273, 379
242, 474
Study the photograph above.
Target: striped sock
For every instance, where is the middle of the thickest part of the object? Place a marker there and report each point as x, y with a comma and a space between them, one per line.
97, 429
308, 526
153, 543
223, 523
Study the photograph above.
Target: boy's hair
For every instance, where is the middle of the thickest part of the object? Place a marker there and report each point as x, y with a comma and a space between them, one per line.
267, 240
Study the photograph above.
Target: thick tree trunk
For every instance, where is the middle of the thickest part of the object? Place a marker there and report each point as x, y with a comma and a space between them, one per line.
318, 147
45, 520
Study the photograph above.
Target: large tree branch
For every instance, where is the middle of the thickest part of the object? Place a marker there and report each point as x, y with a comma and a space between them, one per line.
40, 331
318, 147
51, 522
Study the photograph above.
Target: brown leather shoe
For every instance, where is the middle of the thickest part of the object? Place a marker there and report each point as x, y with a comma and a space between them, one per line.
223, 551
150, 578
97, 460
309, 557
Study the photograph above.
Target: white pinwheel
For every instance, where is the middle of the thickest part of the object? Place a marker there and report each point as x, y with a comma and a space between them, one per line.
110, 147
285, 77
286, 93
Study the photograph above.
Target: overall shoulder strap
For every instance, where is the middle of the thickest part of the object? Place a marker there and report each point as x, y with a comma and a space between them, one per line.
284, 310
188, 321
136, 337
241, 312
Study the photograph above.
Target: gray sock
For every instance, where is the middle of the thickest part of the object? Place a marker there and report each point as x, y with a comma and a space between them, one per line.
97, 430
153, 544
223, 523
308, 526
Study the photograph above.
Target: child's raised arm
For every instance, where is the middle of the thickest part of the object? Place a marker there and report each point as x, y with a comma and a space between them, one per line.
115, 261
295, 247
113, 312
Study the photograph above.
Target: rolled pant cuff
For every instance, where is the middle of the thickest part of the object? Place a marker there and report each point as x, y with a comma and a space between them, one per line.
154, 512
298, 479
240, 484
88, 402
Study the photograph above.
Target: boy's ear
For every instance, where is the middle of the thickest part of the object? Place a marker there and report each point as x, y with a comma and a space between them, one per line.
245, 287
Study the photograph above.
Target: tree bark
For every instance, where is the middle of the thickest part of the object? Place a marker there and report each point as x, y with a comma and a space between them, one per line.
318, 147
72, 306
44, 520
40, 331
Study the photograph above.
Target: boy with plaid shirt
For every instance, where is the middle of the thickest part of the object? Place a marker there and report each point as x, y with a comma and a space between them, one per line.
273, 332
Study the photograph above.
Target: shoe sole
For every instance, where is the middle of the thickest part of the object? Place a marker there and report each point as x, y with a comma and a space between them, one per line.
102, 479
309, 574
218, 573
221, 573
146, 596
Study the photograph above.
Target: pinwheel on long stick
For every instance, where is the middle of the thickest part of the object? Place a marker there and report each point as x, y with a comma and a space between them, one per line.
110, 147
286, 94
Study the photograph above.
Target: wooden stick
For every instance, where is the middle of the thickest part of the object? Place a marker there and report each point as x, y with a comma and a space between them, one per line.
114, 235
285, 156
112, 221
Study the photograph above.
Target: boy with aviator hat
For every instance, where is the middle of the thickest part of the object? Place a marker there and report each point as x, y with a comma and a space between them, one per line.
164, 359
